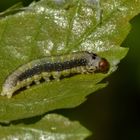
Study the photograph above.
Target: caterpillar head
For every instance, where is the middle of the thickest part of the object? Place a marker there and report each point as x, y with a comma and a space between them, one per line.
97, 64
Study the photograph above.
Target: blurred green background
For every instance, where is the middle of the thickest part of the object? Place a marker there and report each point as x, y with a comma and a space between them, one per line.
111, 113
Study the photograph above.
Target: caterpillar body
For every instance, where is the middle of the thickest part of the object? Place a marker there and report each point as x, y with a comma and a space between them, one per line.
53, 68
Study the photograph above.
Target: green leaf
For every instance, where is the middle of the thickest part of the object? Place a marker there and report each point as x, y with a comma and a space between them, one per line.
13, 9
51, 127
51, 27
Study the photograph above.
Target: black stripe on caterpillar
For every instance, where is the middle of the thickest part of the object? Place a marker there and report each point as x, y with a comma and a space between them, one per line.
53, 68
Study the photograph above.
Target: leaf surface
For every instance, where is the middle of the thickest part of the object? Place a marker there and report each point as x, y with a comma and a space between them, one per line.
51, 127
51, 27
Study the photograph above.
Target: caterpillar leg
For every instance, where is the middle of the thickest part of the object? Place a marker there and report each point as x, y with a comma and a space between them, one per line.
56, 75
46, 76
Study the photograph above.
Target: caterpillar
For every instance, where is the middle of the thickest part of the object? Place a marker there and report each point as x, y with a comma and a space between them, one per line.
53, 68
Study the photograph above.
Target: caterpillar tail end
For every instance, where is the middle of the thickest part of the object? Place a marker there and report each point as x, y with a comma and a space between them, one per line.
8, 94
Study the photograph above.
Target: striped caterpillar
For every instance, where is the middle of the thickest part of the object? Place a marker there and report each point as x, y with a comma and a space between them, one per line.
53, 68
